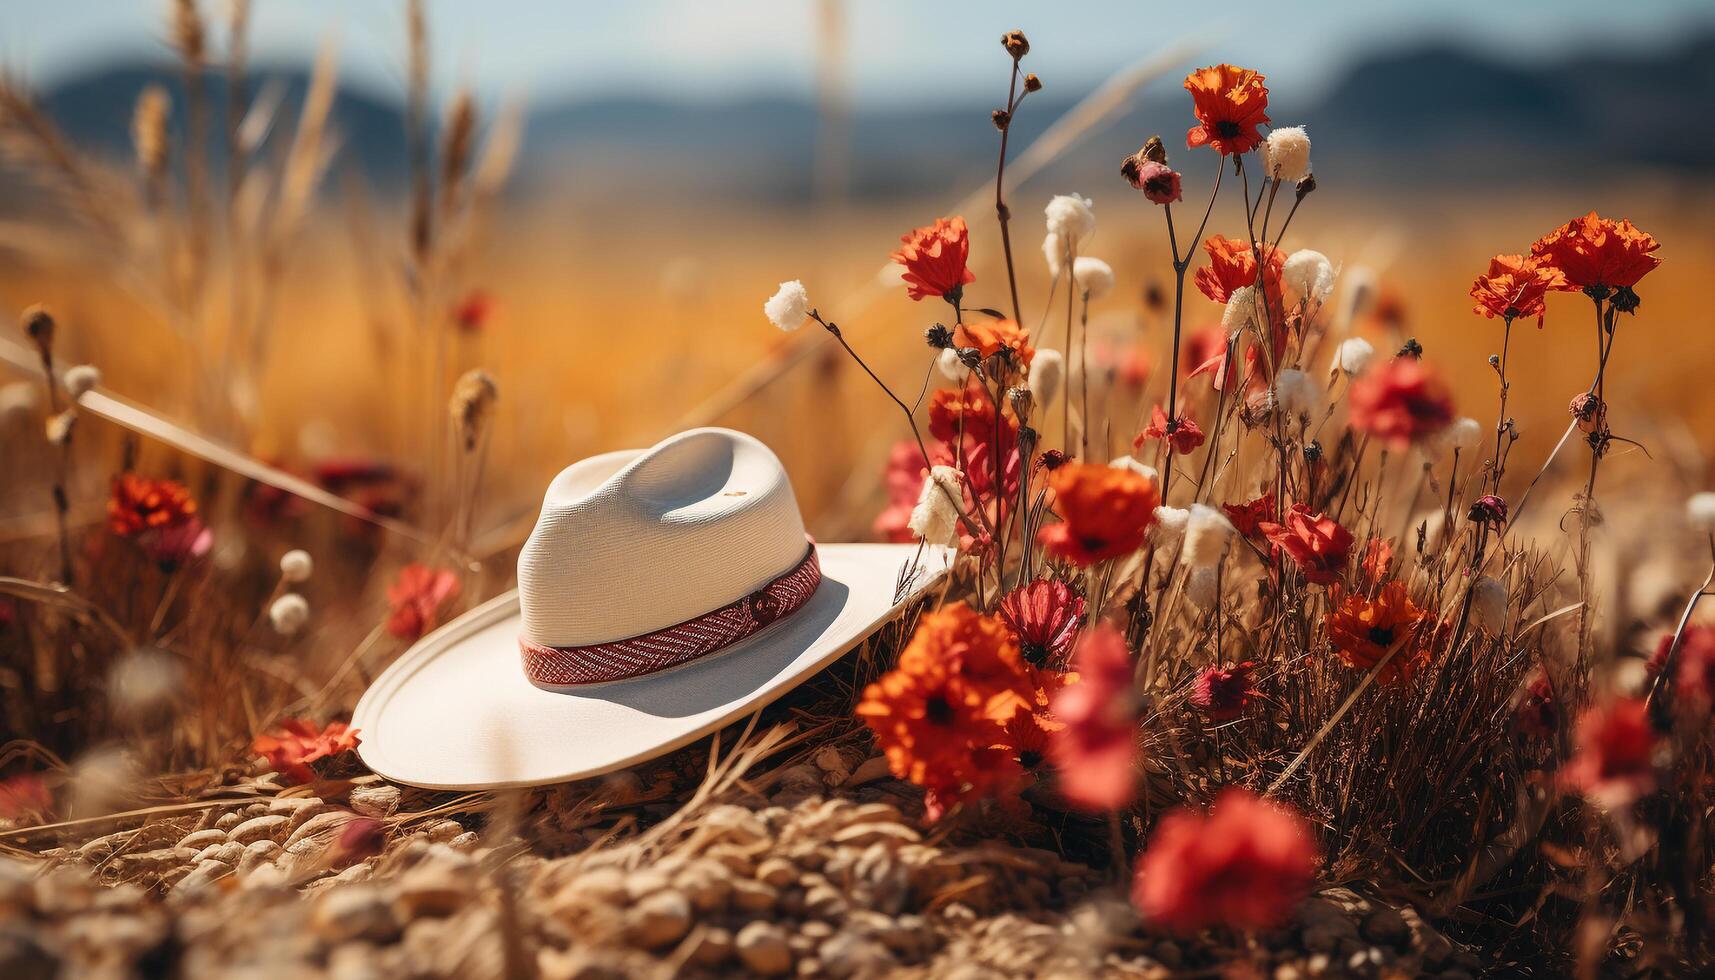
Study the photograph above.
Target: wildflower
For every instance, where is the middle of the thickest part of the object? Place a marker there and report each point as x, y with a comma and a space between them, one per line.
935, 520
1047, 372
1613, 763
178, 544
1248, 518
1159, 183
139, 504
1230, 104
951, 366
1489, 509
1104, 512
1489, 605
1097, 752
291, 748
1400, 403
1286, 154
1015, 43
990, 337
1377, 561
473, 398
1693, 666
1208, 534
1597, 254
81, 379
289, 613
1093, 276
1316, 543
1032, 83
789, 306
1233, 264
1182, 434
1296, 394
1538, 712
1589, 411
1363, 630
1070, 219
1309, 274
935, 258
417, 598
24, 795
939, 337
1354, 356
1514, 288
474, 311
1700, 512
968, 415
1463, 434
1223, 693
1045, 616
296, 566
903, 477
1244, 864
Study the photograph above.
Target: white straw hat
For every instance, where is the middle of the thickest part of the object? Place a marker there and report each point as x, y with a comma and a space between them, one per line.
663, 594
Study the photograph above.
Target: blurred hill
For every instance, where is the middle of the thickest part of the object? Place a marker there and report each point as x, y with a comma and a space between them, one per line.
1432, 114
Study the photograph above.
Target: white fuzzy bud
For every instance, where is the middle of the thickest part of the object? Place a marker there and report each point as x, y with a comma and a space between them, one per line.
1093, 276
1055, 252
59, 427
1131, 463
1047, 375
935, 519
296, 566
1700, 512
1169, 527
1286, 155
1464, 433
289, 613
1296, 394
1201, 587
1489, 605
81, 379
1207, 536
1354, 355
789, 305
1244, 309
1070, 219
949, 366
1309, 274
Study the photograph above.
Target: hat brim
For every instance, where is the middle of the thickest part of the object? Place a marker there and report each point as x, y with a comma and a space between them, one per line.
456, 712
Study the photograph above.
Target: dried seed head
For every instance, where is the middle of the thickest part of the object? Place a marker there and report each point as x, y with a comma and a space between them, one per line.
1027, 440
189, 35
1015, 43
1000, 118
1022, 402
1051, 460
289, 613
939, 337
935, 519
1589, 411
1489, 509
1154, 150
1032, 83
39, 326
1306, 186
473, 398
149, 130
457, 148
59, 427
296, 566
1047, 373
1626, 300
81, 379
1411, 349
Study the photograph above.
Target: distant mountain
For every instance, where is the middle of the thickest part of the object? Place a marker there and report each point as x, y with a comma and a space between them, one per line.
1433, 113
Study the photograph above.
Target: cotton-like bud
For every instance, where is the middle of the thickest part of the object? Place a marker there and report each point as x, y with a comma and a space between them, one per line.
1463, 434
951, 368
1202, 587
1207, 536
143, 684
289, 613
296, 566
1070, 218
1354, 355
1244, 310
59, 427
1054, 251
1309, 274
1169, 527
1296, 394
1047, 375
81, 379
1131, 463
935, 519
1094, 277
1489, 605
1700, 512
789, 305
1286, 155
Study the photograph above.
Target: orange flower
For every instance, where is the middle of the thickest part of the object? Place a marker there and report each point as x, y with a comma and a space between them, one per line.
1593, 252
1614, 762
417, 598
296, 743
934, 258
967, 412
1185, 436
989, 336
1096, 751
1245, 864
1104, 512
1316, 543
1514, 287
941, 714
1230, 104
1400, 402
139, 504
1363, 630
1232, 264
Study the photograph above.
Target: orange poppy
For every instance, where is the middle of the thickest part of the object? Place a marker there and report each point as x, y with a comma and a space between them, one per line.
935, 257
1104, 512
139, 504
1514, 287
1363, 630
1316, 543
1230, 104
1232, 264
1185, 437
1593, 252
291, 748
417, 598
989, 336
968, 412
1399, 402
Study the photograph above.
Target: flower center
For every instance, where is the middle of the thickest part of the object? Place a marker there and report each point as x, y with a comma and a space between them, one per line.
938, 711
1226, 129
1035, 654
1381, 636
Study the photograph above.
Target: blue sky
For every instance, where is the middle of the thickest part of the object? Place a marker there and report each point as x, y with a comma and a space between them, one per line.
899, 50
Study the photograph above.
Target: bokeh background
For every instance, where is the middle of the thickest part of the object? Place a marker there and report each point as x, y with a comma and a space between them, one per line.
679, 159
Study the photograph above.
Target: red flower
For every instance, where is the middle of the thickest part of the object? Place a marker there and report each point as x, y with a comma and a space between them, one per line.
1104, 512
24, 795
139, 504
1614, 762
1538, 713
1245, 865
1514, 287
968, 413
1230, 104
1249, 516
1223, 693
1400, 402
1158, 182
1597, 253
417, 598
1694, 667
1044, 615
296, 743
1377, 562
359, 838
180, 544
903, 479
474, 311
1185, 435
1097, 752
1232, 264
1316, 543
934, 258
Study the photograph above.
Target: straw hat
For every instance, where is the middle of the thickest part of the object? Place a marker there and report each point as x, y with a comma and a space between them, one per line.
664, 593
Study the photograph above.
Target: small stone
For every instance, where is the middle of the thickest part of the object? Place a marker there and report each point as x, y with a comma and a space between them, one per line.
824, 902
22, 958
378, 801
432, 891
258, 854
228, 820
355, 912
1386, 926
850, 955
442, 831
754, 896
706, 884
267, 827
323, 826
778, 872
659, 920
865, 834
711, 947
762, 948
200, 877
203, 838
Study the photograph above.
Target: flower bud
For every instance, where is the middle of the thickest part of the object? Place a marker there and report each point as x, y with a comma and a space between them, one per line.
1015, 43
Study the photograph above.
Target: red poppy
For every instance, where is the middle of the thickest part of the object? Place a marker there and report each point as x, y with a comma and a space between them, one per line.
1185, 437
1363, 630
1232, 264
1538, 713
935, 257
1104, 512
1044, 615
1614, 761
1694, 667
1399, 402
1593, 252
1245, 864
1514, 288
1223, 693
1249, 516
1230, 104
903, 480
1158, 182
1096, 752
989, 336
968, 413
417, 599
1316, 543
296, 743
474, 311
24, 795
139, 504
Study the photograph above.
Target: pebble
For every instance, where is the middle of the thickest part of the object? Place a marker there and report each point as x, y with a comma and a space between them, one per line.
322, 825
355, 912
660, 920
706, 884
847, 954
1388, 927
267, 827
258, 854
431, 891
754, 896
203, 838
762, 947
712, 947
778, 872
380, 800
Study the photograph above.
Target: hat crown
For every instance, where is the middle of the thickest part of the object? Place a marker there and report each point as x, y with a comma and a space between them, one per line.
629, 543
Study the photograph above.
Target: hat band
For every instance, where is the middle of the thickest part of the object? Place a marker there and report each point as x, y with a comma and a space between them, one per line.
674, 645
